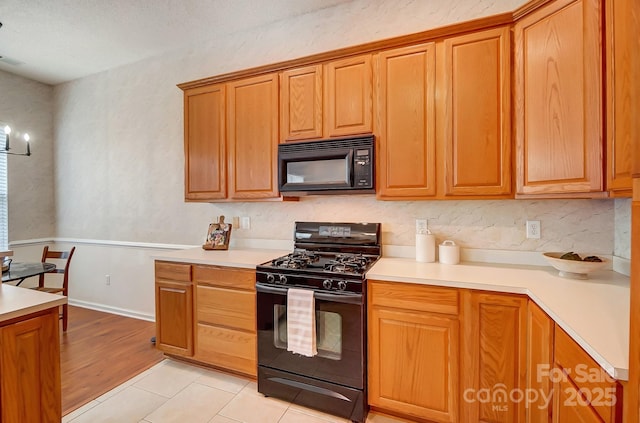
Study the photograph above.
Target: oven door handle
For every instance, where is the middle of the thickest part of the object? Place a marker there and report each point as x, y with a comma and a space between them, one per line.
319, 295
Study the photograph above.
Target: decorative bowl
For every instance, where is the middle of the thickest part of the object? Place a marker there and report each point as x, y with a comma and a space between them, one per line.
574, 269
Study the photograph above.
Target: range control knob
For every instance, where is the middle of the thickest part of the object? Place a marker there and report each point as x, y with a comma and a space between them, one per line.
282, 280
270, 278
342, 285
327, 283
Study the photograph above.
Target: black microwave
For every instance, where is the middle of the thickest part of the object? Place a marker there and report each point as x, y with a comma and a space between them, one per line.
333, 166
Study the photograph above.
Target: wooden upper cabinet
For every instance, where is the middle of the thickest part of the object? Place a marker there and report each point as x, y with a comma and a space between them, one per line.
301, 103
493, 356
406, 156
558, 91
204, 143
474, 113
620, 77
252, 137
348, 96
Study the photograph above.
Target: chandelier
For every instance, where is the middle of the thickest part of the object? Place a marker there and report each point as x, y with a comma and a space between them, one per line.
7, 148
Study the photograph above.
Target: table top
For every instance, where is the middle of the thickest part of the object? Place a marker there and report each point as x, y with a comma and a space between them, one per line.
20, 271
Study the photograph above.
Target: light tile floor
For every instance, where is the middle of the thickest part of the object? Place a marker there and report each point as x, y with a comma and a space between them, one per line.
173, 391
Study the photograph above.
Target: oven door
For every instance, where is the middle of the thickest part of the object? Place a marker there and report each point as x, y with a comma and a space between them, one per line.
340, 337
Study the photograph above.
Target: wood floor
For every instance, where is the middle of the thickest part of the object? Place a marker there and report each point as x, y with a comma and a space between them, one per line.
100, 351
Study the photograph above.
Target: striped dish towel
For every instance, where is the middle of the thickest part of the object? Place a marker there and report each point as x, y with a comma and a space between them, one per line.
301, 322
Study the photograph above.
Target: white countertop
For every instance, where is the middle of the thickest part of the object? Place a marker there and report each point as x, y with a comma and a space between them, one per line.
243, 258
594, 312
18, 302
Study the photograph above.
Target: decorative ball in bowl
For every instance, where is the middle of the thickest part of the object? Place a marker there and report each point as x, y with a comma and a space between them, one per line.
573, 266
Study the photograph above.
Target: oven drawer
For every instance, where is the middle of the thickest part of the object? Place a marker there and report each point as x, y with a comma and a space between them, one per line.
226, 307
225, 276
414, 297
173, 271
227, 348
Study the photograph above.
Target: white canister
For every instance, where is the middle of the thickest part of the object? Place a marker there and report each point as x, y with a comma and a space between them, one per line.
426, 247
449, 252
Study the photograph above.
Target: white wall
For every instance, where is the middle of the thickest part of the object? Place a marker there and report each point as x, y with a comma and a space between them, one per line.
119, 162
27, 106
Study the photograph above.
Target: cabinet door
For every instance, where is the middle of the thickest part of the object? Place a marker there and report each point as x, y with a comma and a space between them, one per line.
577, 371
227, 348
301, 103
348, 95
559, 99
620, 77
539, 363
252, 137
204, 143
30, 383
474, 114
493, 357
413, 363
405, 103
174, 317
226, 307
568, 405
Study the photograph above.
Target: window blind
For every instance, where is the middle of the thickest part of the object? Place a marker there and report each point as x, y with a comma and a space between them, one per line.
4, 197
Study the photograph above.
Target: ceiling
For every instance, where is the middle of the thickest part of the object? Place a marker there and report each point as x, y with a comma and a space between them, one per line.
53, 41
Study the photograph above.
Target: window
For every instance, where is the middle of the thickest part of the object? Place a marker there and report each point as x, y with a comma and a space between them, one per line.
4, 214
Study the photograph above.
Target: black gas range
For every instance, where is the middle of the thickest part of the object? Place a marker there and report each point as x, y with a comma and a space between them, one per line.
332, 260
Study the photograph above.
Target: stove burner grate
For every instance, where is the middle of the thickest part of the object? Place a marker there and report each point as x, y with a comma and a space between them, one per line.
295, 260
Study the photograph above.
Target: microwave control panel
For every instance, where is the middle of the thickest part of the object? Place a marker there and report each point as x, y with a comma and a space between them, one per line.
362, 169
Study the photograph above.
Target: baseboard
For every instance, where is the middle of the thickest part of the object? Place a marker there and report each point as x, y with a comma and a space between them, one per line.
113, 310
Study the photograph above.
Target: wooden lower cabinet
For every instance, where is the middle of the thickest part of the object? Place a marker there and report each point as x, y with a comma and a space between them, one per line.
583, 391
30, 368
539, 364
207, 314
174, 308
413, 350
227, 348
225, 318
493, 349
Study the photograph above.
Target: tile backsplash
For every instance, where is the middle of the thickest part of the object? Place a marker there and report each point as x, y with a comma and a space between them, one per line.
593, 226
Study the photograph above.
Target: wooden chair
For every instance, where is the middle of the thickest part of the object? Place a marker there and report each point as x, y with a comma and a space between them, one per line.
64, 289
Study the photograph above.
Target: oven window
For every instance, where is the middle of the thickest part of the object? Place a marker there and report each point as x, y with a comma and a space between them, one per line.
328, 332
331, 171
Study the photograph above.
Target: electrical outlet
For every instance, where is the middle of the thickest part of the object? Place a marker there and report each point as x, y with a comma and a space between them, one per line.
533, 229
107, 279
421, 226
245, 222
236, 222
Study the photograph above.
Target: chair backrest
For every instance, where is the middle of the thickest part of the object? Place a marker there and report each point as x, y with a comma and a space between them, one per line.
58, 255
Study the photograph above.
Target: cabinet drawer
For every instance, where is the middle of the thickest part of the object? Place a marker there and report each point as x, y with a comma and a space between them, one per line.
225, 277
587, 376
226, 307
227, 348
173, 271
413, 297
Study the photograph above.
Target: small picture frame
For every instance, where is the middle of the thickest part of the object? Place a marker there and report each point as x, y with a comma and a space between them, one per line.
218, 236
